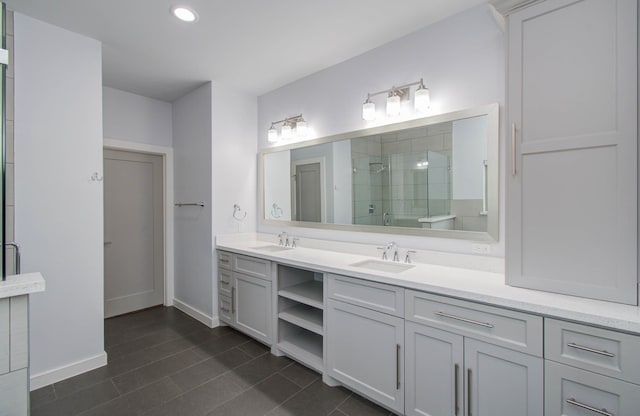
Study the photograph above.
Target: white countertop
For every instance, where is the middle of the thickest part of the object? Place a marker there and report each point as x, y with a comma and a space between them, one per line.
21, 284
465, 283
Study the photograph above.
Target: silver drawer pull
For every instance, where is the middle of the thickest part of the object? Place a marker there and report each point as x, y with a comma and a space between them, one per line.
583, 348
222, 282
602, 412
469, 321
225, 310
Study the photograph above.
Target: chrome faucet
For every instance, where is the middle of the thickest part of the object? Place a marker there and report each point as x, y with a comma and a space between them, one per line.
393, 247
284, 239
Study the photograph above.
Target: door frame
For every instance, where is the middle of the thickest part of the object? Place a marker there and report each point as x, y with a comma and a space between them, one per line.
167, 172
323, 189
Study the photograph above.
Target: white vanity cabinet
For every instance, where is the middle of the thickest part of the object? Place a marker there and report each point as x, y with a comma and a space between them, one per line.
244, 294
590, 370
365, 344
571, 210
457, 363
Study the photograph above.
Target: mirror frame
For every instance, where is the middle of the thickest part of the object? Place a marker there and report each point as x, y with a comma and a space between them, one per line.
493, 180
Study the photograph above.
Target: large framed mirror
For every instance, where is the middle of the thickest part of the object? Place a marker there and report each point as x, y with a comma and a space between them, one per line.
435, 176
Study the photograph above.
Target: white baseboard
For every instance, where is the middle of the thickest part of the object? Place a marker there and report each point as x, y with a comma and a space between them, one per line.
196, 314
62, 373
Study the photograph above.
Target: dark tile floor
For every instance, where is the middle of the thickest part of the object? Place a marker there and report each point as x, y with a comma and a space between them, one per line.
162, 362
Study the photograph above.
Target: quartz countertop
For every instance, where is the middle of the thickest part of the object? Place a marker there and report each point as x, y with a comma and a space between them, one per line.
21, 284
478, 285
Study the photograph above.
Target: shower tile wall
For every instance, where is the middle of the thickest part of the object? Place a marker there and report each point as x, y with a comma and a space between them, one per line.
468, 215
368, 175
9, 120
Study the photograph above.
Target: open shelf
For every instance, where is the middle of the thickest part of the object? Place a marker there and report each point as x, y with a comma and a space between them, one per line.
303, 346
304, 316
309, 293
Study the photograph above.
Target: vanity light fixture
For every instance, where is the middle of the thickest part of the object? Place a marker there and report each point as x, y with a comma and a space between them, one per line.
396, 95
185, 13
287, 129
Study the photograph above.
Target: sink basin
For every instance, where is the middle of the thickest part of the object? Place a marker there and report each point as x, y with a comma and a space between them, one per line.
383, 266
271, 248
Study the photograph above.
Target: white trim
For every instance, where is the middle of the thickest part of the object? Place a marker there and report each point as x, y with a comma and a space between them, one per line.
167, 156
62, 373
196, 314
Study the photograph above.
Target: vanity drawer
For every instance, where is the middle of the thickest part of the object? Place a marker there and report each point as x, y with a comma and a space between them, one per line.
225, 281
376, 296
612, 353
515, 330
224, 259
224, 306
252, 266
573, 392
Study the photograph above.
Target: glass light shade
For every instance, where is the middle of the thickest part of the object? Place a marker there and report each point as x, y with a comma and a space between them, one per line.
185, 14
286, 132
393, 105
301, 129
368, 111
272, 135
421, 99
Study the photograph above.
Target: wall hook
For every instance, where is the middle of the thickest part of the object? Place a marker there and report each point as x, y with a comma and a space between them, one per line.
96, 177
237, 212
276, 211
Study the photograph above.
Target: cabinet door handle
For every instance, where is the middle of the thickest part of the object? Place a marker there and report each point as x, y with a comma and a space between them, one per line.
513, 149
222, 282
233, 300
226, 310
602, 412
583, 348
455, 389
398, 366
469, 321
468, 392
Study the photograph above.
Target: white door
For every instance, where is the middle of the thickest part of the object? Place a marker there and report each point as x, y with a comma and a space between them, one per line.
434, 371
365, 352
499, 381
133, 230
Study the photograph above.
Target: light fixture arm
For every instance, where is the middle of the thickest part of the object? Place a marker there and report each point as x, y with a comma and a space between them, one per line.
397, 90
288, 120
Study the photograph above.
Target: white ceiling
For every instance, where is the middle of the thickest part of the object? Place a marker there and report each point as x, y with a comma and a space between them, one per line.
255, 45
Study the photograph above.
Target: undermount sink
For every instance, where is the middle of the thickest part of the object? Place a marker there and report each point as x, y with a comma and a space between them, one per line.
383, 266
271, 248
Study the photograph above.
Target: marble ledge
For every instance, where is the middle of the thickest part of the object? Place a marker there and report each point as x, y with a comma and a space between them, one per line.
474, 281
21, 284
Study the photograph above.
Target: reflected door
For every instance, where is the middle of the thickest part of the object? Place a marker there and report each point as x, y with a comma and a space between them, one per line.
308, 192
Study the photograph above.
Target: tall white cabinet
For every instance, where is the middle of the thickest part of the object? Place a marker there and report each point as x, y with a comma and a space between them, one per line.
571, 219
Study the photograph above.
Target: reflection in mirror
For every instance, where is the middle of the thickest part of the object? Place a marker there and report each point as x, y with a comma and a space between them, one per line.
433, 176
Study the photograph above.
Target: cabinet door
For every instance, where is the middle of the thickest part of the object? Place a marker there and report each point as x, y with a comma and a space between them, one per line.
499, 381
251, 306
571, 184
433, 371
365, 352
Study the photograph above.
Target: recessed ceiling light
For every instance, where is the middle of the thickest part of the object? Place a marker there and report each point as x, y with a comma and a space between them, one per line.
184, 13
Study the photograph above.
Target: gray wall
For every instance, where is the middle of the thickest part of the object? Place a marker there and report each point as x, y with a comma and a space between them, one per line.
59, 211
462, 60
135, 118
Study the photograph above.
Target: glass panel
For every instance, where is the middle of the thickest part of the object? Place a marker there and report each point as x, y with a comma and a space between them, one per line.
3, 145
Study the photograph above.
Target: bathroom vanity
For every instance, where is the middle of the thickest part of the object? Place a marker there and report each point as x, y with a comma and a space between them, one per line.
14, 341
431, 338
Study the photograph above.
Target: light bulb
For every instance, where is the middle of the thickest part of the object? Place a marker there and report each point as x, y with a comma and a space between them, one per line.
286, 132
421, 99
301, 129
184, 13
393, 105
272, 134
368, 110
